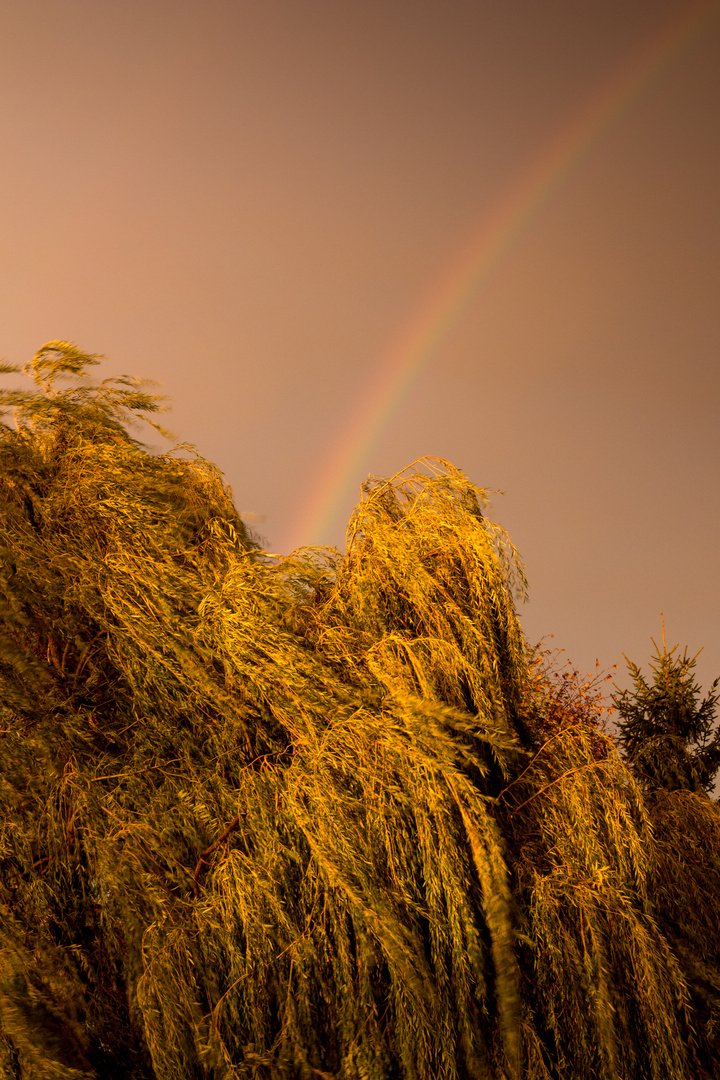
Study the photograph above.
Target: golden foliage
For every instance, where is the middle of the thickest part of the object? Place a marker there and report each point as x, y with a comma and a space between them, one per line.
327, 815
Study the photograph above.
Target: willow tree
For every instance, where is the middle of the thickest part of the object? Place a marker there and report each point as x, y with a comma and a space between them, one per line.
316, 816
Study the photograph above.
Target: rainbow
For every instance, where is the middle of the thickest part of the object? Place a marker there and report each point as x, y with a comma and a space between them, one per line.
497, 232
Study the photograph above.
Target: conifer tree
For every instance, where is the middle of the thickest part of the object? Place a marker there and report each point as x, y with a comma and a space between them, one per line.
665, 733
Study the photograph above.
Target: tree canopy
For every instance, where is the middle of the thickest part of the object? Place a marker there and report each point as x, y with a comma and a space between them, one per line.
322, 816
666, 735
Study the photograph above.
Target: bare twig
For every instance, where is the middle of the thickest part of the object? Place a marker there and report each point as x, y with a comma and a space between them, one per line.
578, 768
201, 859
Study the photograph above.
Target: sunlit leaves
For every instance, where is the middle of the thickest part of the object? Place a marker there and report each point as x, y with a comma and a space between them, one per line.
327, 815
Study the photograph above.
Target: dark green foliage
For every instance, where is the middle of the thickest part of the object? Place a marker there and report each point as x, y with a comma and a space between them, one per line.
666, 736
325, 816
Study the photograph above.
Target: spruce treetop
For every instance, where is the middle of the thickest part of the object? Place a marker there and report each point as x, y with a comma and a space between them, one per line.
665, 733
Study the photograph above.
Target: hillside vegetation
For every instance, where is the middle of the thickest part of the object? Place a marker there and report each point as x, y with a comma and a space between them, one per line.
326, 816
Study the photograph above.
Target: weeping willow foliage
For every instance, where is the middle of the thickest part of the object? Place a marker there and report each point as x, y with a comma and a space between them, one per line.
321, 816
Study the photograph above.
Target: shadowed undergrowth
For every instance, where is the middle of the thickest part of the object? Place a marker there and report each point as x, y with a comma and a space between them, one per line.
320, 816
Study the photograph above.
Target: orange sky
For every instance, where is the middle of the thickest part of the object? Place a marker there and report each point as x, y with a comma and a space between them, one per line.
247, 201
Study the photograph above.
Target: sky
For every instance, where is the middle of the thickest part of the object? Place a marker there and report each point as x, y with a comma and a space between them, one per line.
345, 235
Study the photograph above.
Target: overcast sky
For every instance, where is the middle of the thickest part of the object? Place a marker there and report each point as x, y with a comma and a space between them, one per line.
252, 201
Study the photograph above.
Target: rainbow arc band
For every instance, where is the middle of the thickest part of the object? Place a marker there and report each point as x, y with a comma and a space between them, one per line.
403, 361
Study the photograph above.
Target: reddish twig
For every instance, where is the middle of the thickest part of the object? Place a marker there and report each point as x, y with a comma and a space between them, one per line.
208, 851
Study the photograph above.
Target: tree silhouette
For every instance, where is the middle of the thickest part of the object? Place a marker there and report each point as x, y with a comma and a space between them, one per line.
666, 735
